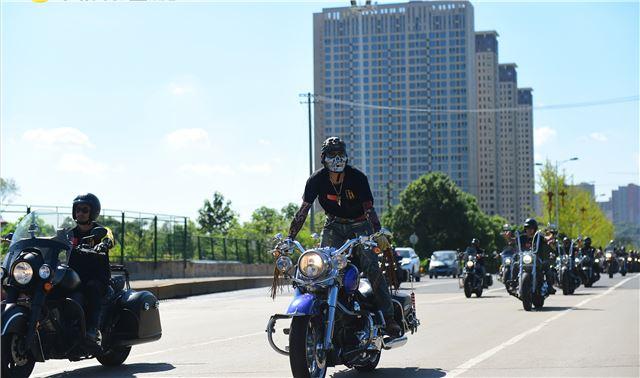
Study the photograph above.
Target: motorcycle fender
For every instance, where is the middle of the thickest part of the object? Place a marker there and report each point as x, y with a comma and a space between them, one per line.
14, 319
303, 304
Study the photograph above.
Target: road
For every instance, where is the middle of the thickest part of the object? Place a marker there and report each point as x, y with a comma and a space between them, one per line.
592, 333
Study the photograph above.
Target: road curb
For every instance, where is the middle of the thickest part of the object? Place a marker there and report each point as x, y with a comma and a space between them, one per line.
170, 290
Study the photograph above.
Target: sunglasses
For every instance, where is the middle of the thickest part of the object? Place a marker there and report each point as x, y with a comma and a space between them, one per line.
84, 210
335, 154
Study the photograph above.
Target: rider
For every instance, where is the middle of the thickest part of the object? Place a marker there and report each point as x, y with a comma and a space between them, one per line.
588, 250
544, 250
93, 269
345, 195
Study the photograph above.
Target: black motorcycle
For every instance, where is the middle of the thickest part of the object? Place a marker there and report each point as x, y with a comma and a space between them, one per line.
567, 280
41, 320
588, 271
532, 288
505, 273
472, 279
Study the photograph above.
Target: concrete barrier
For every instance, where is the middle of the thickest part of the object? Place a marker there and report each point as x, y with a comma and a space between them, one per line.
180, 288
195, 269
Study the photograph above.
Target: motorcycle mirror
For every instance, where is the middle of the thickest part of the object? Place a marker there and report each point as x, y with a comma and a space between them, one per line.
277, 236
7, 238
315, 236
386, 232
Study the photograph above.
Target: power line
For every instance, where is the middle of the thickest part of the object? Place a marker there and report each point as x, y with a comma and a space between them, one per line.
617, 100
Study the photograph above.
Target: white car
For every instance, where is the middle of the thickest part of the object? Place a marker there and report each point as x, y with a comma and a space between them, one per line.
409, 263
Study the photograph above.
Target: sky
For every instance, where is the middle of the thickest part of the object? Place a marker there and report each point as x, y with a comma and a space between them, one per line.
153, 106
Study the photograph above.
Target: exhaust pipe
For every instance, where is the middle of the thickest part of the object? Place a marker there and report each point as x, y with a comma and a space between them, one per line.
394, 343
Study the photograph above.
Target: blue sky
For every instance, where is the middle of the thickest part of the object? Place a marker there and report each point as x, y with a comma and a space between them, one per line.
153, 106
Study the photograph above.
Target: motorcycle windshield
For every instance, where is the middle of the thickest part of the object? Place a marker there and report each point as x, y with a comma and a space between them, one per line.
38, 229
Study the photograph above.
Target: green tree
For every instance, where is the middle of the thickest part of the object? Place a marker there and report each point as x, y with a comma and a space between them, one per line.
579, 214
8, 189
442, 216
216, 217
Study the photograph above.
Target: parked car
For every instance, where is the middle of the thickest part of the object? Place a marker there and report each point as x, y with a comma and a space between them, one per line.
409, 264
444, 263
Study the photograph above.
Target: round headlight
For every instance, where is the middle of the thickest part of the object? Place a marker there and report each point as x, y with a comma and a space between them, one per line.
629, 259
527, 259
312, 265
608, 255
576, 260
597, 261
284, 264
22, 272
340, 261
469, 264
507, 261
44, 272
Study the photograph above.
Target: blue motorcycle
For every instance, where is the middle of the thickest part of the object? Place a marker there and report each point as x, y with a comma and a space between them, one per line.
334, 320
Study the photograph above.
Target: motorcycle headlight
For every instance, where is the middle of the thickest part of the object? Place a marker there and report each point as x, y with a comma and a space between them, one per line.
629, 259
527, 259
312, 265
469, 264
340, 261
507, 261
576, 260
608, 255
597, 261
44, 272
284, 264
23, 273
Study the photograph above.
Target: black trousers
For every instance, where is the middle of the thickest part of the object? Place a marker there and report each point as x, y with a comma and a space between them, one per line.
90, 296
334, 234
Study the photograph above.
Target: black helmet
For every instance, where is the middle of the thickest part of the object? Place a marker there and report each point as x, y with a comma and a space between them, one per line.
87, 199
530, 222
475, 242
566, 240
587, 241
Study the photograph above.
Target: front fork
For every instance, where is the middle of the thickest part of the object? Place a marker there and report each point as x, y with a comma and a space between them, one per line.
332, 300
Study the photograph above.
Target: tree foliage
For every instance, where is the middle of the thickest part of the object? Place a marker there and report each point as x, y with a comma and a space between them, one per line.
216, 217
579, 214
8, 188
442, 216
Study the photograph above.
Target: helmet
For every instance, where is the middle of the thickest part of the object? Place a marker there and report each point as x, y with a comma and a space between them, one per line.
336, 163
566, 240
475, 242
587, 241
530, 222
506, 227
87, 199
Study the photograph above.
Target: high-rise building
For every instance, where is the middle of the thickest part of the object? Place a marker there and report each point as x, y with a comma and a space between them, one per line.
525, 176
396, 82
589, 188
625, 204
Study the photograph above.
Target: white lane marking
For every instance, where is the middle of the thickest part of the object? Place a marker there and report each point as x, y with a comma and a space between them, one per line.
136, 356
489, 353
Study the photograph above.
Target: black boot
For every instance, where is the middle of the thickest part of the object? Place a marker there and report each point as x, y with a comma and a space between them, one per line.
392, 327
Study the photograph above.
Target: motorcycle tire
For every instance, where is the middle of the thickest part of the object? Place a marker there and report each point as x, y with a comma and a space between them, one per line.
538, 301
624, 274
418, 277
371, 366
114, 356
525, 291
9, 369
610, 275
479, 292
300, 326
467, 288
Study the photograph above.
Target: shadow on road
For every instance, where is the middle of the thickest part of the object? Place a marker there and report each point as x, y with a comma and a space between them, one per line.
122, 371
563, 308
394, 372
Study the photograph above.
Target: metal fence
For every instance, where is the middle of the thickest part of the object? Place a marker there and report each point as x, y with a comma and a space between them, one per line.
154, 237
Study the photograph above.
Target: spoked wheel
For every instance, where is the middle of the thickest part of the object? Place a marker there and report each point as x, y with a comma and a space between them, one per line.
371, 365
16, 359
305, 348
525, 291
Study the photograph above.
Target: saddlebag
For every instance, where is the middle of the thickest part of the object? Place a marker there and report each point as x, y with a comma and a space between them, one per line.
403, 299
139, 320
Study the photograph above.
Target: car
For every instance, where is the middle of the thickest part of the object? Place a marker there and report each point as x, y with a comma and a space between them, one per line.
444, 263
409, 263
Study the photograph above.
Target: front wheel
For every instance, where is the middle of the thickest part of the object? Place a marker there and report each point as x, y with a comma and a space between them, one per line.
538, 301
525, 291
305, 342
16, 359
467, 287
114, 356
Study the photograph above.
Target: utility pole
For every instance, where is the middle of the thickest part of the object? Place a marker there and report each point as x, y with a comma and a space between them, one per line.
309, 102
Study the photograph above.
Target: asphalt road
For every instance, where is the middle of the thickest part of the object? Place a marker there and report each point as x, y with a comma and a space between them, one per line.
592, 333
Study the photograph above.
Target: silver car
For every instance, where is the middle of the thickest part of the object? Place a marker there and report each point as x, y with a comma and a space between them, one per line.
444, 263
409, 263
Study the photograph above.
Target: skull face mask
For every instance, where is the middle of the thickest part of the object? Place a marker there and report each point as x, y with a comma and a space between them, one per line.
336, 163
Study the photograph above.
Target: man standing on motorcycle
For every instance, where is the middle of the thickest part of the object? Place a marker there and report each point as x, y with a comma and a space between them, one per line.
345, 195
544, 250
94, 269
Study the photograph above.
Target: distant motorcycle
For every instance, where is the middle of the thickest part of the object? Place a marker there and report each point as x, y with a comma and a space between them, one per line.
472, 280
505, 273
334, 320
611, 263
532, 288
565, 266
588, 273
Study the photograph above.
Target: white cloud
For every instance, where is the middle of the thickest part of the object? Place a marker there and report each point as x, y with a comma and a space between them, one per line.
79, 163
63, 137
264, 142
598, 137
188, 138
263, 168
207, 169
542, 135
